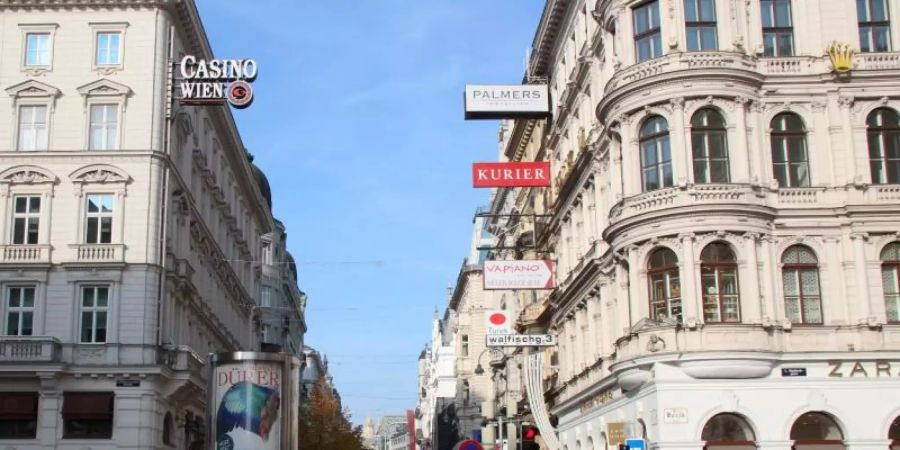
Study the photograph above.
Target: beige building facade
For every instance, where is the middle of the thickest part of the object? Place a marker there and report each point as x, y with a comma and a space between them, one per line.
128, 229
723, 218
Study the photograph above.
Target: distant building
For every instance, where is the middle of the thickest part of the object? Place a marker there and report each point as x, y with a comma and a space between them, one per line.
391, 432
282, 304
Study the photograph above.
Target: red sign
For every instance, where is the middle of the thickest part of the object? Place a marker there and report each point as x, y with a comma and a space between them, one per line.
511, 174
469, 444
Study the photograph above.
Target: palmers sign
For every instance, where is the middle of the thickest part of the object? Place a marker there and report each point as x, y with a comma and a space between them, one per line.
483, 101
518, 274
511, 174
216, 81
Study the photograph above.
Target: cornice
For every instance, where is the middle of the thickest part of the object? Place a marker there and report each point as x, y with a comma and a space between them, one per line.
79, 4
546, 35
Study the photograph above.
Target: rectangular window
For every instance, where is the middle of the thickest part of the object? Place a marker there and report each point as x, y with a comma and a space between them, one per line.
778, 28
109, 49
104, 134
465, 345
874, 25
18, 415
700, 21
19, 311
37, 49
266, 297
94, 309
33, 127
647, 32
26, 220
98, 222
88, 415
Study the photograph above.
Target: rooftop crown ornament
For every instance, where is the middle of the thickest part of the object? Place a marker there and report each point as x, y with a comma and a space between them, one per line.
841, 55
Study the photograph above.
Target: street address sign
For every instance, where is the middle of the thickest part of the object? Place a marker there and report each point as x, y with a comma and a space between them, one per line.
511, 174
520, 340
518, 274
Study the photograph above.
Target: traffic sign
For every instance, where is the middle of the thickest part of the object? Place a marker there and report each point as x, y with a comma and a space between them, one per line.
469, 444
636, 444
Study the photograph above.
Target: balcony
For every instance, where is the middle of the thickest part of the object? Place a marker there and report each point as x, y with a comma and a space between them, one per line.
24, 254
678, 62
29, 349
99, 253
738, 195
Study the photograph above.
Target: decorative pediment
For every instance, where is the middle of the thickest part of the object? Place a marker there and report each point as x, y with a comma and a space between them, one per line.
99, 173
104, 87
26, 175
32, 88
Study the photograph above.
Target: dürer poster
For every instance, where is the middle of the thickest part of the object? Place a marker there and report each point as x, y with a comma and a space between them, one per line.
247, 401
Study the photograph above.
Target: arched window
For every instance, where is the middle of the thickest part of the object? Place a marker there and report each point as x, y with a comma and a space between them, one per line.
719, 281
790, 159
894, 434
890, 279
800, 278
710, 147
665, 285
168, 430
884, 146
656, 156
816, 431
728, 430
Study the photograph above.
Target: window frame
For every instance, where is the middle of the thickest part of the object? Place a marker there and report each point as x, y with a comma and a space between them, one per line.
785, 137
45, 143
669, 273
98, 28
106, 418
892, 265
94, 310
649, 33
775, 30
697, 25
882, 131
706, 131
464, 345
38, 28
718, 267
657, 138
112, 216
117, 133
27, 216
20, 310
798, 269
871, 25
24, 419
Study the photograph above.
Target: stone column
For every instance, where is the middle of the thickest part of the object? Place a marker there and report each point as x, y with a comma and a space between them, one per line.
863, 297
679, 138
754, 307
746, 166
50, 402
773, 271
851, 170
636, 311
691, 302
5, 210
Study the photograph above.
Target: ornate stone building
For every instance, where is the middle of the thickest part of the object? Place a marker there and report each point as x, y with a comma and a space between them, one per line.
129, 230
724, 221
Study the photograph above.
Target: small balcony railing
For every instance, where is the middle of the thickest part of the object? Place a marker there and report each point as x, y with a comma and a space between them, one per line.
24, 254
20, 349
99, 253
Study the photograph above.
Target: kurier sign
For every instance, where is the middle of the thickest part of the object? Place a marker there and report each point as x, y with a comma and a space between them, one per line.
215, 81
494, 101
511, 174
518, 274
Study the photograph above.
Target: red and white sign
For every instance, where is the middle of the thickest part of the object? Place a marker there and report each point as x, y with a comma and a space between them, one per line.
498, 322
525, 274
511, 174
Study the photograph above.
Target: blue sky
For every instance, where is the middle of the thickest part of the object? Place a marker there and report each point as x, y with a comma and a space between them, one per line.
357, 121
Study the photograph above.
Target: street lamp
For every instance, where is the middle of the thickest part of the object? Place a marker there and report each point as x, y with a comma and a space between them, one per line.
495, 363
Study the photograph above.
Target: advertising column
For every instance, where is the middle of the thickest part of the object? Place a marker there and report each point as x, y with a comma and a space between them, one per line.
253, 400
